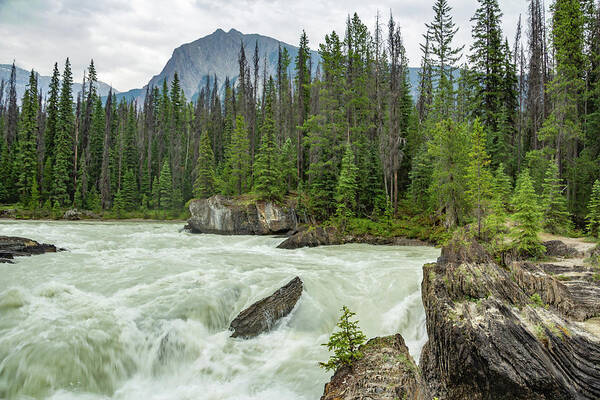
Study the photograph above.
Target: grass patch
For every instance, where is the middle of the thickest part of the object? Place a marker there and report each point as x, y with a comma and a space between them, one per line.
536, 300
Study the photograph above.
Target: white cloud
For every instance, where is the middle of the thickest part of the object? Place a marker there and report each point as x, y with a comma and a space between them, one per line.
131, 41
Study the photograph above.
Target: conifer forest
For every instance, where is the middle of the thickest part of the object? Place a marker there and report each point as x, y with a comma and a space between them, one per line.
506, 129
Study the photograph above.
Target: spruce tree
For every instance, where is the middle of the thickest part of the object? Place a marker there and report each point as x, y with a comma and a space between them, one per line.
63, 162
502, 187
478, 177
155, 199
165, 187
50, 131
238, 156
593, 215
205, 185
347, 186
267, 169
556, 216
128, 191
27, 142
528, 216
345, 343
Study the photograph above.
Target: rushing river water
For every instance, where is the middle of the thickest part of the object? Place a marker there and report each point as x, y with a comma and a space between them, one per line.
89, 323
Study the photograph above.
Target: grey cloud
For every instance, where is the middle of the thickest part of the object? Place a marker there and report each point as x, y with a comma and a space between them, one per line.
131, 40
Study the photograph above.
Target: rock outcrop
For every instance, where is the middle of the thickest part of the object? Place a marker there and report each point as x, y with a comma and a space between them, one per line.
516, 332
75, 215
222, 215
10, 213
11, 247
330, 236
386, 372
557, 248
261, 316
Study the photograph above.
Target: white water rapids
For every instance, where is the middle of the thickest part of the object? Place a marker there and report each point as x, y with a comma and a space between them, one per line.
88, 323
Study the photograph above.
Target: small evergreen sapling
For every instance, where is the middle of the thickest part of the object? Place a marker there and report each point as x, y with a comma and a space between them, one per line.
528, 217
593, 216
556, 216
345, 343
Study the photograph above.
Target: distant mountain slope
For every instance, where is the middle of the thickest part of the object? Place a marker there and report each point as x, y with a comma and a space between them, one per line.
216, 54
43, 82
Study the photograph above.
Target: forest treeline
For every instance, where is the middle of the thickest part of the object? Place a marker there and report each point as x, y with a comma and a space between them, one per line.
495, 122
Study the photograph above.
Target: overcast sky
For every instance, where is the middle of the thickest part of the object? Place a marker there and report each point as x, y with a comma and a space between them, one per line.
131, 40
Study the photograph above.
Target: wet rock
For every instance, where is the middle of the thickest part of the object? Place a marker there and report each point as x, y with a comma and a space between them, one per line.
223, 215
329, 236
11, 247
514, 332
386, 372
557, 248
261, 316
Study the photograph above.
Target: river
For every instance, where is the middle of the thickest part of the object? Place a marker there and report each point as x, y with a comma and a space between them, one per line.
91, 323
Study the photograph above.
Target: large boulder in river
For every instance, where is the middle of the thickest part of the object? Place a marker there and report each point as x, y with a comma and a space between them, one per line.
228, 216
385, 372
261, 316
518, 332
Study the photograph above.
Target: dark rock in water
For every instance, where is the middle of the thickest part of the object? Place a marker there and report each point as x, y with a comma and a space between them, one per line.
556, 248
515, 332
222, 215
386, 372
261, 316
319, 236
16, 246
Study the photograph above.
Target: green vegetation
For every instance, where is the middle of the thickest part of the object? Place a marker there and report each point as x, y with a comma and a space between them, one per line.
345, 342
349, 144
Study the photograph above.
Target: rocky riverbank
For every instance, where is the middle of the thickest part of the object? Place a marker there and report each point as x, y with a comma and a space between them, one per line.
11, 247
527, 330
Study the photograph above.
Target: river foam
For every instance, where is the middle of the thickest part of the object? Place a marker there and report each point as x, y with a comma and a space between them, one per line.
141, 311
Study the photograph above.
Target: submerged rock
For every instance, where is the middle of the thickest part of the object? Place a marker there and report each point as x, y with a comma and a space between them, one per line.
515, 332
329, 236
261, 316
386, 372
222, 215
11, 246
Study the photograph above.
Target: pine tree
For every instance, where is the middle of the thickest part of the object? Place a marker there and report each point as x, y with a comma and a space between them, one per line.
155, 199
478, 176
347, 186
50, 130
287, 162
205, 185
528, 216
593, 216
556, 216
165, 187
63, 161
345, 343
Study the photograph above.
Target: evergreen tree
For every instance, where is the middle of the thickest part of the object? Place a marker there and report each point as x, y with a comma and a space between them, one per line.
238, 167
593, 216
347, 186
345, 343
556, 216
27, 142
528, 216
128, 191
478, 176
267, 169
502, 188
155, 199
63, 162
165, 200
205, 185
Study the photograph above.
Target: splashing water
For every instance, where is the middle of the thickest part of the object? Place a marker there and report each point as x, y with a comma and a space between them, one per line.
141, 311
